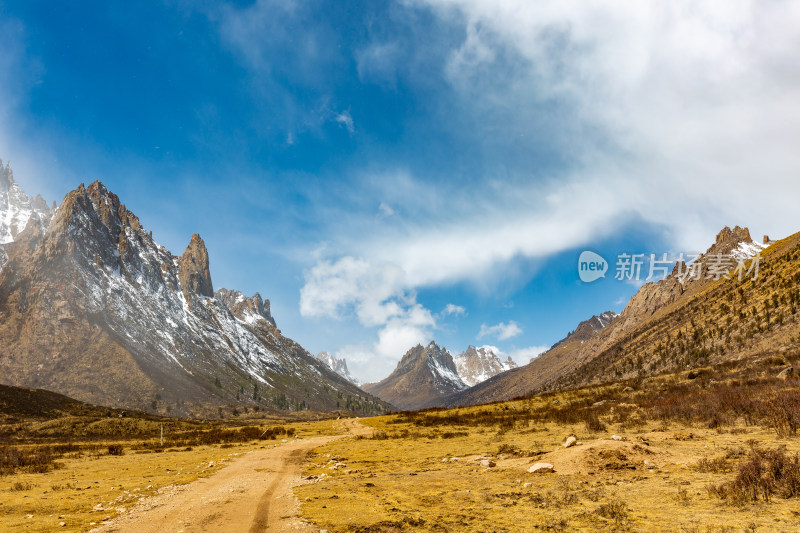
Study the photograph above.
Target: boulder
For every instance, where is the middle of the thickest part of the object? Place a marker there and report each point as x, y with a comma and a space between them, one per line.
541, 468
786, 373
488, 463
616, 437
571, 441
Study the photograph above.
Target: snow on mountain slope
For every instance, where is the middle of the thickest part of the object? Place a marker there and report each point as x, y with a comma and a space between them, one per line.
338, 365
442, 367
121, 321
16, 209
476, 365
746, 250
423, 378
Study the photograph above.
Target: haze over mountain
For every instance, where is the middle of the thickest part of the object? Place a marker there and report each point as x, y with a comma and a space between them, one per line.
92, 307
337, 365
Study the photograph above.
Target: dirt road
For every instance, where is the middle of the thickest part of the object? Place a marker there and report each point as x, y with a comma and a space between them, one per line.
252, 494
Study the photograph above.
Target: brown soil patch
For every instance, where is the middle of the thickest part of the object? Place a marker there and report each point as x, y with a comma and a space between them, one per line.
604, 455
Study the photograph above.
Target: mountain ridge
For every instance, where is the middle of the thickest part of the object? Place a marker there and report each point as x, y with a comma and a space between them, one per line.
653, 301
93, 308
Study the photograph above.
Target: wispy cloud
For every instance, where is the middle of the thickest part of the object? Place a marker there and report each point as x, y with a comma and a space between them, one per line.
345, 119
650, 111
523, 356
501, 331
452, 309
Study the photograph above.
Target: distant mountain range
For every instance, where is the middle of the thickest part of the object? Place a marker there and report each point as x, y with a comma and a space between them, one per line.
93, 308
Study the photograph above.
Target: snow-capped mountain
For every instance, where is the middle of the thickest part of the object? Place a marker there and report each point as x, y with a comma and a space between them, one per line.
92, 307
423, 377
16, 210
476, 365
337, 365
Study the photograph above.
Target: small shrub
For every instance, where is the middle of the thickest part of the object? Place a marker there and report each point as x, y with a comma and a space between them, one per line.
763, 474
453, 434
19, 486
593, 423
712, 466
617, 511
116, 449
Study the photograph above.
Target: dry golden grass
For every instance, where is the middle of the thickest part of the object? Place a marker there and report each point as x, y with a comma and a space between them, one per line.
91, 485
428, 477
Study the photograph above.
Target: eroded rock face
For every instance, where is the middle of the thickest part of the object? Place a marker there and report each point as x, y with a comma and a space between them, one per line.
246, 309
193, 271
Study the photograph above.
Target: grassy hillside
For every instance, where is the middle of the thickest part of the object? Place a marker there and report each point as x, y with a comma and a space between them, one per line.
714, 450
727, 320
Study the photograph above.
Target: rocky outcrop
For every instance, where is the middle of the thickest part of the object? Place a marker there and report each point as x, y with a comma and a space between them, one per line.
193, 271
588, 328
246, 309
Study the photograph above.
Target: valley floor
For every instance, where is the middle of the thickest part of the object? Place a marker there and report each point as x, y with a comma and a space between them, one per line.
709, 450
641, 463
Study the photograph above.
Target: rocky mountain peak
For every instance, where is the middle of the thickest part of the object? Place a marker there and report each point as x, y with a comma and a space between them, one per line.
588, 328
476, 365
193, 271
337, 365
249, 310
112, 325
17, 212
423, 377
729, 239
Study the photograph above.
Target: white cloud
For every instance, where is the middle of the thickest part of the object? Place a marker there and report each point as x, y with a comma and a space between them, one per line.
452, 309
670, 106
345, 119
523, 356
376, 295
679, 115
385, 210
501, 331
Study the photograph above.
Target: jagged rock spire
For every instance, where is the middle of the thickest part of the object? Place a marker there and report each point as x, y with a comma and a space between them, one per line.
193, 271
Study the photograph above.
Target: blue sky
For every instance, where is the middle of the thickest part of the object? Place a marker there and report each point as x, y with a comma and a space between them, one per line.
388, 173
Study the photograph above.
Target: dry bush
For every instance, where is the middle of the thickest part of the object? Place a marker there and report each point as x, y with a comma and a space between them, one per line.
19, 486
116, 449
712, 466
38, 459
617, 511
593, 422
763, 474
